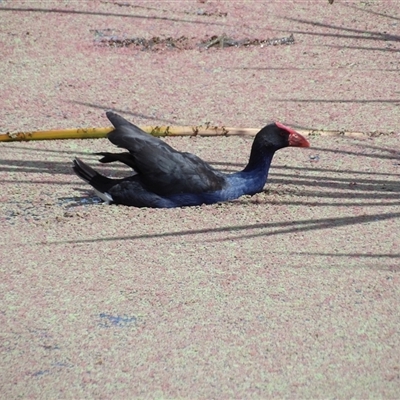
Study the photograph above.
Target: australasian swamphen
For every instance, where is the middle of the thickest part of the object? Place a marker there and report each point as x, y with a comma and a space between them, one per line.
167, 178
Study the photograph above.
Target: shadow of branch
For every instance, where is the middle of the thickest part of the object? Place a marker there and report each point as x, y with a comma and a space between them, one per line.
269, 229
118, 110
107, 14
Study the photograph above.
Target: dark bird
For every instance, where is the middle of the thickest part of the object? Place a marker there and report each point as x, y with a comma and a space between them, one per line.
167, 178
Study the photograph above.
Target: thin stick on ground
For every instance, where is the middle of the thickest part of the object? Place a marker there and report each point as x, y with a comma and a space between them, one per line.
162, 131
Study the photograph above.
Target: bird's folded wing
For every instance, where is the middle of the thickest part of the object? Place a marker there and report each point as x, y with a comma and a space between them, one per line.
162, 169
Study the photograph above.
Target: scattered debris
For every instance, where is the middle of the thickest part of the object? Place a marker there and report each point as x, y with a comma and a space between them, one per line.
210, 14
155, 43
224, 41
111, 38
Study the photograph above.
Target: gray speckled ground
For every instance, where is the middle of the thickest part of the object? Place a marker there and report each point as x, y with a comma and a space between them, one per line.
291, 293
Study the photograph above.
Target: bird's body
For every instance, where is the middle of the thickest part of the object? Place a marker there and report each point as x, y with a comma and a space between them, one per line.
167, 178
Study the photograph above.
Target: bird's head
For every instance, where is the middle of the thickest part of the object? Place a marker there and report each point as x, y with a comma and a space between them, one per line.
277, 136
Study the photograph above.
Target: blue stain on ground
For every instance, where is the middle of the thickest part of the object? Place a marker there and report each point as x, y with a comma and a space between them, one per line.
116, 320
60, 364
48, 371
41, 373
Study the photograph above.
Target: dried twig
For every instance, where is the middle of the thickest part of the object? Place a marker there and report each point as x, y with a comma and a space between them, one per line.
108, 38
197, 130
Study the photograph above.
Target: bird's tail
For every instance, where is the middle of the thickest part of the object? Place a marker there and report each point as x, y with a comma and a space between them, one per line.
100, 183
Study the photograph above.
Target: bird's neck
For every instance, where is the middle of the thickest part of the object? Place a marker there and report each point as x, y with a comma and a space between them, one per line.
252, 179
260, 159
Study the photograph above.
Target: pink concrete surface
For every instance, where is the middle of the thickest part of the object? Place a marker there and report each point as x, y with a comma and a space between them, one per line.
292, 293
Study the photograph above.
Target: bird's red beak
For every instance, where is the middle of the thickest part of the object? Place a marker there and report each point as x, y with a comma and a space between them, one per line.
295, 139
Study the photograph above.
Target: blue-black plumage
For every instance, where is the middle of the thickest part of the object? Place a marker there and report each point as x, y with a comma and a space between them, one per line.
167, 178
